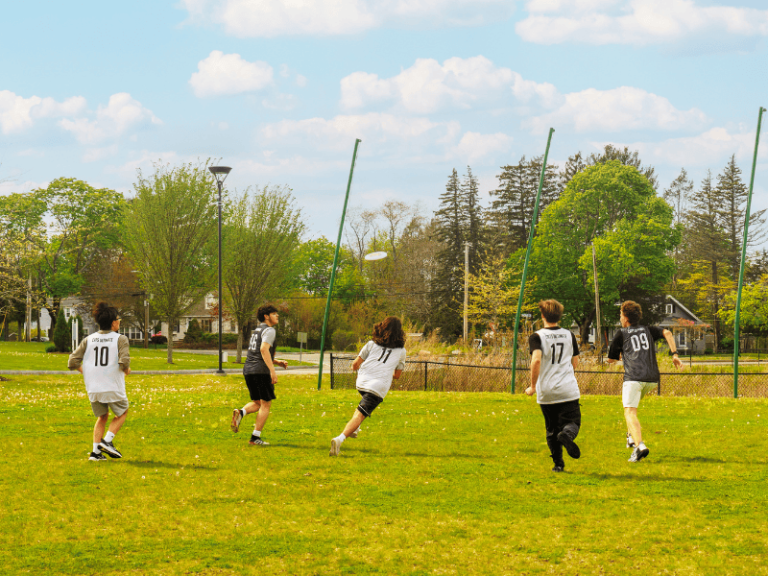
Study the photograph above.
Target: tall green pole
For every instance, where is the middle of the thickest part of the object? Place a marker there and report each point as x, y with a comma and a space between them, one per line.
527, 257
743, 261
333, 269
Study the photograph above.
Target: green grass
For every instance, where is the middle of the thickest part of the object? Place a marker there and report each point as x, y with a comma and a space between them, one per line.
32, 356
437, 483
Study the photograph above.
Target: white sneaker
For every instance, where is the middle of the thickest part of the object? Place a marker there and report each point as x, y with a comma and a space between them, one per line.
354, 434
237, 417
638, 454
335, 447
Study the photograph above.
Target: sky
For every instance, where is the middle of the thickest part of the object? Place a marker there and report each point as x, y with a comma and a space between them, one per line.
280, 89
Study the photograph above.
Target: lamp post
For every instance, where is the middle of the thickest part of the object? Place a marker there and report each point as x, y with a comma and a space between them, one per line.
598, 335
220, 173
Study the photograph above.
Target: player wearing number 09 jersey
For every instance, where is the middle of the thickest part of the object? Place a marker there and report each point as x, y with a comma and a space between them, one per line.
380, 360
103, 358
554, 357
637, 345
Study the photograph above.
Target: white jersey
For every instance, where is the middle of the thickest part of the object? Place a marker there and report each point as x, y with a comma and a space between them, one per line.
379, 366
104, 380
557, 381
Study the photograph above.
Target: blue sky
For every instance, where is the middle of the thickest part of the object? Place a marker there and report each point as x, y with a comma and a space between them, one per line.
280, 89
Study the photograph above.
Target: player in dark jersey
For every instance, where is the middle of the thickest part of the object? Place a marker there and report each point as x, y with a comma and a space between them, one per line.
259, 373
637, 345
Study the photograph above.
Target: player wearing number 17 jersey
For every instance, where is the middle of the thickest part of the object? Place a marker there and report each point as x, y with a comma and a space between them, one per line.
554, 357
104, 360
380, 360
637, 345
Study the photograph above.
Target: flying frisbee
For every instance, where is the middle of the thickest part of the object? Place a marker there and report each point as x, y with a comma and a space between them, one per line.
375, 256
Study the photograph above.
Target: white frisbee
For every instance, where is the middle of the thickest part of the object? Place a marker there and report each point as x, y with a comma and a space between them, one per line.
375, 256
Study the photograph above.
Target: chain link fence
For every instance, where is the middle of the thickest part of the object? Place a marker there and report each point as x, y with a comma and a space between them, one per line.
452, 376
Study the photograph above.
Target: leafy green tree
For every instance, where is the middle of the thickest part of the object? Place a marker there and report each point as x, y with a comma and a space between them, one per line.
616, 208
677, 196
262, 239
573, 166
170, 236
754, 308
627, 158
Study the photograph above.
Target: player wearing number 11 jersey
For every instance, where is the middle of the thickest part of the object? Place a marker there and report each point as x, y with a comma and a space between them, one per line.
380, 360
637, 345
554, 357
104, 360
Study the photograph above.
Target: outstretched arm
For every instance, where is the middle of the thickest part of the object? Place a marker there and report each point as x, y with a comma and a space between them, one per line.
670, 338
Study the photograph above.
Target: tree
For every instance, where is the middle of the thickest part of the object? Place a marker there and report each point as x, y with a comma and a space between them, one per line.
754, 308
475, 231
677, 196
627, 158
170, 237
573, 166
511, 212
262, 238
616, 208
62, 334
494, 292
84, 220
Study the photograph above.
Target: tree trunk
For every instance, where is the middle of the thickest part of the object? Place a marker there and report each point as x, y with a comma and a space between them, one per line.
715, 306
584, 329
170, 339
240, 336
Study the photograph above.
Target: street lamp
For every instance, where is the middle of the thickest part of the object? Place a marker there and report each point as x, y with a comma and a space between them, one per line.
220, 173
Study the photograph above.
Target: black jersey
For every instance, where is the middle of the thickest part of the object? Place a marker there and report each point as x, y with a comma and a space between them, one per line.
254, 363
637, 344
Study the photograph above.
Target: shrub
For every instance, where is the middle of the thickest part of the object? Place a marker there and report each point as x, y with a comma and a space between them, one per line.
158, 339
50, 349
194, 332
62, 334
343, 339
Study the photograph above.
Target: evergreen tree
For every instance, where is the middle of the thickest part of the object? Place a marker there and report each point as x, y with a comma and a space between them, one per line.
511, 213
573, 166
474, 219
62, 333
677, 196
625, 157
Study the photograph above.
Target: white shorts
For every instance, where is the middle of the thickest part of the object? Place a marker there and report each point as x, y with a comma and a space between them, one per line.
633, 392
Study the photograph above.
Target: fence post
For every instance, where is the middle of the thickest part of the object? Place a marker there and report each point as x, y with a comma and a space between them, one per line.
426, 364
659, 388
331, 371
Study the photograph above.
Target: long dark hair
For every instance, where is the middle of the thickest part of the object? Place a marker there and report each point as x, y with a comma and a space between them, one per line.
104, 314
389, 333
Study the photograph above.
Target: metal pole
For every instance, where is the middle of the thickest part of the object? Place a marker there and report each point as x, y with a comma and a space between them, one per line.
221, 299
743, 260
466, 288
333, 269
527, 257
598, 333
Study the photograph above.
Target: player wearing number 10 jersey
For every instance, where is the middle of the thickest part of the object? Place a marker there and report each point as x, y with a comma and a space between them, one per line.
637, 345
104, 360
554, 357
380, 360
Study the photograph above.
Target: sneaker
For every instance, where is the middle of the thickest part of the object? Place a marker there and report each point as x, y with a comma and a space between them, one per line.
110, 449
630, 442
237, 417
638, 454
335, 447
257, 441
94, 457
354, 434
569, 444
558, 468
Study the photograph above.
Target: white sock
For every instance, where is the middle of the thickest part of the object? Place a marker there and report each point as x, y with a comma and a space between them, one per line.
257, 433
96, 448
642, 446
341, 437
109, 437
243, 412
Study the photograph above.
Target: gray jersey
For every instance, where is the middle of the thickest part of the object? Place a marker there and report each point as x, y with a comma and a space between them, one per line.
254, 363
557, 380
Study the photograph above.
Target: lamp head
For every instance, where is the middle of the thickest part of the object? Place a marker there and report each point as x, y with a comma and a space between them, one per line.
220, 172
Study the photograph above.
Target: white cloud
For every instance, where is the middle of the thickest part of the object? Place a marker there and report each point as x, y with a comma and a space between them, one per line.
710, 149
224, 74
619, 109
269, 18
112, 120
13, 187
637, 22
428, 86
18, 113
473, 147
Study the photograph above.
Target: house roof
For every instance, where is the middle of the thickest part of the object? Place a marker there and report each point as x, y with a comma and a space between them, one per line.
693, 316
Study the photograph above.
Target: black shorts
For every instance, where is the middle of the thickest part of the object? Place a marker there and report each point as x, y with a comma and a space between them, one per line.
260, 386
368, 402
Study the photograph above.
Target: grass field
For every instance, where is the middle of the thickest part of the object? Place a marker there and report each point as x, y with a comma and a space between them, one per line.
32, 356
437, 483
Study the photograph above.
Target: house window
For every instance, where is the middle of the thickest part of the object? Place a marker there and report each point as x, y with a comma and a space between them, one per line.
670, 308
206, 325
681, 339
67, 313
211, 302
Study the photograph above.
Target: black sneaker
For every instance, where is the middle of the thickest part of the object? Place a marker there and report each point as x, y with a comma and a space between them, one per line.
257, 441
638, 454
569, 444
558, 468
110, 449
96, 457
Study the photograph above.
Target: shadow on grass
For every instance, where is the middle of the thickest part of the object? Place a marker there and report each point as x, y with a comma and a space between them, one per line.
155, 464
395, 453
638, 477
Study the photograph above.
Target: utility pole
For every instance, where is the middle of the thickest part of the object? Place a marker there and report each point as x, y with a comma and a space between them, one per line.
28, 328
466, 287
598, 333
146, 321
